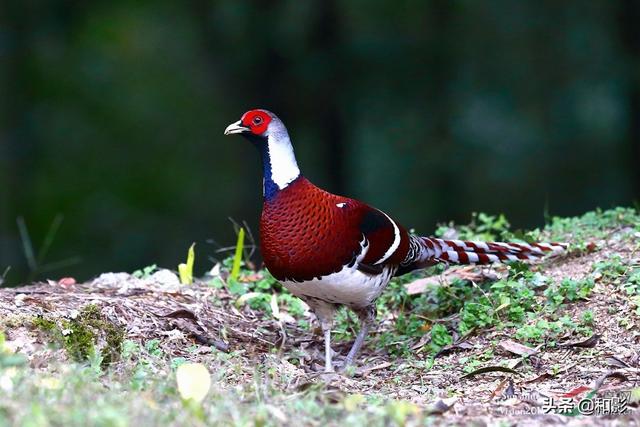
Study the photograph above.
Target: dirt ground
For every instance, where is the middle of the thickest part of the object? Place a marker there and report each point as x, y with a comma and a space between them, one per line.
602, 368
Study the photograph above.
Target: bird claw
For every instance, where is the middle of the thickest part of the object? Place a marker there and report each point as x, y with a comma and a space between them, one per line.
329, 377
348, 369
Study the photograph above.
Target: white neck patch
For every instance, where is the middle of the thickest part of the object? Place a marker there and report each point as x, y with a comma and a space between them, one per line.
284, 167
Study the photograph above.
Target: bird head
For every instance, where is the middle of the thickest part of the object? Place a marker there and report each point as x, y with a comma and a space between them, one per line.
254, 123
265, 130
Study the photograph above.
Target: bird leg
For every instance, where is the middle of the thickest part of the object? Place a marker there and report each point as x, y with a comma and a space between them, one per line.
328, 365
324, 311
367, 316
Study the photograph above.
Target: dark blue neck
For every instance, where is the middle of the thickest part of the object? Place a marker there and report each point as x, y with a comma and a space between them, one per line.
270, 187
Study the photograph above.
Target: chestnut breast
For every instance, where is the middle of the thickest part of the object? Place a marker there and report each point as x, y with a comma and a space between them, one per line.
308, 233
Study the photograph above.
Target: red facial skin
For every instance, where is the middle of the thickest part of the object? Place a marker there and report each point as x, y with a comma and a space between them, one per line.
257, 121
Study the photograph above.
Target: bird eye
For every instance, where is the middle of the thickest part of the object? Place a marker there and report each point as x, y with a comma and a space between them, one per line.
257, 120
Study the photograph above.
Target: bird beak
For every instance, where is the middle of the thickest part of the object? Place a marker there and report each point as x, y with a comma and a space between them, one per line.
236, 127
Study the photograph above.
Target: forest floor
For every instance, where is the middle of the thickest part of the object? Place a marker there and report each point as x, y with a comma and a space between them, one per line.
556, 342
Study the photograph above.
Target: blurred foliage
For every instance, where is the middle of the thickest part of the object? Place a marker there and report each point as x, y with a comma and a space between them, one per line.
111, 115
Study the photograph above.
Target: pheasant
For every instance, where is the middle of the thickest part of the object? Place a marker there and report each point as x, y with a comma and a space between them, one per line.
331, 250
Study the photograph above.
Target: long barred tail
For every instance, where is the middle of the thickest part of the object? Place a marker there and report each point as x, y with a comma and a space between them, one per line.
468, 252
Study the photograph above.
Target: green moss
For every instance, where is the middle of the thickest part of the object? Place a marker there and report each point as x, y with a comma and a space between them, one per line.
90, 312
46, 325
79, 340
80, 336
114, 337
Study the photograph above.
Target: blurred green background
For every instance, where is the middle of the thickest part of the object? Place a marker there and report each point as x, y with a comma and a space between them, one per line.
112, 115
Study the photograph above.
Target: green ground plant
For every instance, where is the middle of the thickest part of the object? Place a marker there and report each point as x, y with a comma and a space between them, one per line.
79, 335
515, 301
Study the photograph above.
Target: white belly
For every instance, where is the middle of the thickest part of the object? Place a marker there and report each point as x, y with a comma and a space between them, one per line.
349, 286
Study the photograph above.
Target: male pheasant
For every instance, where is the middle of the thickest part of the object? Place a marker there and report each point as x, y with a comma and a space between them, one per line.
330, 250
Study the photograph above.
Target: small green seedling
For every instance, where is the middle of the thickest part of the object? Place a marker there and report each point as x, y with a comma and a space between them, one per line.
237, 257
186, 269
143, 273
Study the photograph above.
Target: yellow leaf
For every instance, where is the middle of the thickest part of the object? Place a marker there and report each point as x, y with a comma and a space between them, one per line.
353, 402
3, 346
50, 383
400, 410
186, 270
503, 305
194, 381
246, 297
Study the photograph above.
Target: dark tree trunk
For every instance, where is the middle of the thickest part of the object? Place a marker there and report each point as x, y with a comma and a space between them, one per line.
16, 144
326, 38
19, 146
264, 80
630, 27
441, 67
202, 13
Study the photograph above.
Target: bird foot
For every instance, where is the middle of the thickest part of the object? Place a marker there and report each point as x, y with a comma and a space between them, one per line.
324, 376
329, 377
339, 367
347, 369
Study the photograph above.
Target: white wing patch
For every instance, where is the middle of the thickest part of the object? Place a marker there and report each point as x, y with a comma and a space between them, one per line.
341, 205
394, 245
